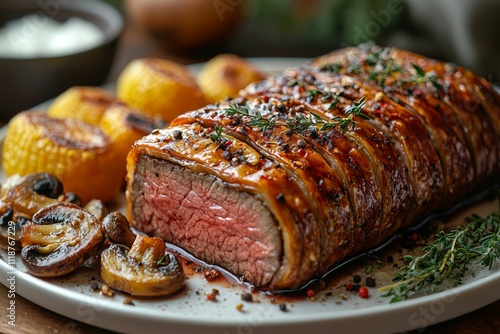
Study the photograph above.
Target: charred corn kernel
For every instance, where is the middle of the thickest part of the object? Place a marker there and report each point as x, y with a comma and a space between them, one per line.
85, 103
124, 126
157, 86
225, 75
81, 155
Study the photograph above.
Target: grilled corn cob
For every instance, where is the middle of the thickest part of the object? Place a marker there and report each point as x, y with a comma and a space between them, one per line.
81, 155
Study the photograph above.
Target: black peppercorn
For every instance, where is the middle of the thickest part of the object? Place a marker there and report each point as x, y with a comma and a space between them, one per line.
370, 282
247, 297
177, 135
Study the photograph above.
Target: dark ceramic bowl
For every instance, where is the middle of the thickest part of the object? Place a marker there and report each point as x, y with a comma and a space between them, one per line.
26, 82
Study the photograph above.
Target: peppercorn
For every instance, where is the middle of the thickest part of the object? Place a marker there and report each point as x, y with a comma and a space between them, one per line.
301, 143
282, 307
247, 297
177, 134
356, 279
370, 281
281, 108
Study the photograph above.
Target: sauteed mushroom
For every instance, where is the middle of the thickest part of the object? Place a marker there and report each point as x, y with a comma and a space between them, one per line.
146, 269
116, 227
10, 227
6, 228
97, 208
33, 192
60, 238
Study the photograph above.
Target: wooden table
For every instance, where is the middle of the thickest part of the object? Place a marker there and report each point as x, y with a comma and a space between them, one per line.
31, 318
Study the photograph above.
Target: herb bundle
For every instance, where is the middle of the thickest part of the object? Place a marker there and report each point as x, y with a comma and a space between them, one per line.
448, 257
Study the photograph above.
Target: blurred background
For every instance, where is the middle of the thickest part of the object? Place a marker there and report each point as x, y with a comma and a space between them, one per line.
465, 32
462, 31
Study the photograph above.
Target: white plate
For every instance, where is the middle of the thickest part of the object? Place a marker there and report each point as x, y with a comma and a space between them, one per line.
190, 311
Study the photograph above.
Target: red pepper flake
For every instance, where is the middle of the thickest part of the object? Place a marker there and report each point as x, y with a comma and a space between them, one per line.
363, 292
383, 105
394, 114
310, 293
379, 112
213, 295
301, 89
266, 99
414, 236
348, 287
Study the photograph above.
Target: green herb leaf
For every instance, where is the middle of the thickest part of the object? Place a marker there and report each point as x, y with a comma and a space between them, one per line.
217, 137
419, 70
448, 258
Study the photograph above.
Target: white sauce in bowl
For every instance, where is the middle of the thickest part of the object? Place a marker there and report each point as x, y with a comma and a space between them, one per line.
40, 36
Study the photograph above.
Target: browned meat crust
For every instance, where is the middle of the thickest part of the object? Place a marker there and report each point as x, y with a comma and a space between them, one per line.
430, 139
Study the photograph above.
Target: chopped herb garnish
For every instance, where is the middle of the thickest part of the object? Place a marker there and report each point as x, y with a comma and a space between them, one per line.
383, 66
217, 137
312, 93
333, 67
448, 257
262, 123
373, 266
161, 261
334, 102
424, 77
235, 109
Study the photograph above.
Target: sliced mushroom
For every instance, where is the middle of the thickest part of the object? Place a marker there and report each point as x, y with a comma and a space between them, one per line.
8, 230
117, 228
9, 183
71, 197
60, 238
146, 269
33, 192
97, 208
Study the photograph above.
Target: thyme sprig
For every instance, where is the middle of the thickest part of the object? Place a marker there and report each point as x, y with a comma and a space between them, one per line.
256, 119
262, 123
448, 258
298, 124
237, 109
